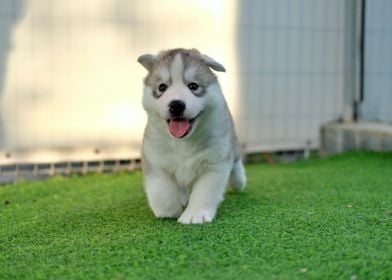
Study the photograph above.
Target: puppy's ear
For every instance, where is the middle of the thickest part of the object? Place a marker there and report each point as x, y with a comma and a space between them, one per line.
212, 63
147, 60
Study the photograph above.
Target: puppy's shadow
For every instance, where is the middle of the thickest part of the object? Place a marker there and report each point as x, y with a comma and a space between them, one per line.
238, 204
134, 211
235, 205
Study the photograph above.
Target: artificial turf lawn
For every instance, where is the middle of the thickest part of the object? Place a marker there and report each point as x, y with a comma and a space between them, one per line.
324, 219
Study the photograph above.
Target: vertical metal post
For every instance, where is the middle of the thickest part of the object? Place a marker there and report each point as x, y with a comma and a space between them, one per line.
361, 92
354, 57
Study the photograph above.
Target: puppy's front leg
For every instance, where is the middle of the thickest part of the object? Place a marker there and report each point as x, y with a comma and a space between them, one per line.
206, 195
162, 194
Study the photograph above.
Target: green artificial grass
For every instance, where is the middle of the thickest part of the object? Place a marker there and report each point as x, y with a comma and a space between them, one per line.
316, 219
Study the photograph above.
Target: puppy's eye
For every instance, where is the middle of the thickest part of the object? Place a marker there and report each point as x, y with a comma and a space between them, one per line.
193, 86
162, 87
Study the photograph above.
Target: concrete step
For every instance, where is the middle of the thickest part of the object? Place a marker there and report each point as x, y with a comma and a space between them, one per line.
340, 137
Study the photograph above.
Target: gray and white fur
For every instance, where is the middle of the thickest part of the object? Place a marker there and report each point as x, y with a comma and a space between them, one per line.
190, 149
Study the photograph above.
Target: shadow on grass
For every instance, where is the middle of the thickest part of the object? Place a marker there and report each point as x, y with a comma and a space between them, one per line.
134, 213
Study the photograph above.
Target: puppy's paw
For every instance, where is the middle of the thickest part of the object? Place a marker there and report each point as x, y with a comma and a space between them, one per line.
174, 212
196, 217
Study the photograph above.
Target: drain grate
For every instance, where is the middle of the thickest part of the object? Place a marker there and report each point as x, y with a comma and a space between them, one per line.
12, 172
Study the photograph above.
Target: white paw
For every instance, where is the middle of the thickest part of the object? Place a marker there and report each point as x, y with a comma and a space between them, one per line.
196, 217
168, 212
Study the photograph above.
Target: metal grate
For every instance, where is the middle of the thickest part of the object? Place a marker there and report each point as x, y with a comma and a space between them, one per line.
12, 172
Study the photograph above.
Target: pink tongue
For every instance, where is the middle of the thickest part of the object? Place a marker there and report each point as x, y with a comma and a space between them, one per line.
178, 127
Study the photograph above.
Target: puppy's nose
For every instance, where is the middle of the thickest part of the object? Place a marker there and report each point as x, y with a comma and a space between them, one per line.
176, 108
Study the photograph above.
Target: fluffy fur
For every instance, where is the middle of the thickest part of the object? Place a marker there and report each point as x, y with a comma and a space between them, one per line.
185, 176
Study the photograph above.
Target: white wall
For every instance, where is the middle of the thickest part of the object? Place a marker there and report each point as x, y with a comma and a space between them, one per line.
377, 102
70, 87
70, 81
292, 69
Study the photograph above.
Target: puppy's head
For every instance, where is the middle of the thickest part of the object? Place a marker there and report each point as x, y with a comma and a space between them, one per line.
179, 88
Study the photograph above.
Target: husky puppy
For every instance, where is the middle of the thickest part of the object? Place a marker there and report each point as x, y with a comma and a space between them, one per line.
190, 149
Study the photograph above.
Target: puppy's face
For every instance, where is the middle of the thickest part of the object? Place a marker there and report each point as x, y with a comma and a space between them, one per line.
179, 88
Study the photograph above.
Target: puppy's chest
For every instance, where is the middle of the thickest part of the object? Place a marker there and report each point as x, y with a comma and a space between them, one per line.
185, 169
185, 164
185, 161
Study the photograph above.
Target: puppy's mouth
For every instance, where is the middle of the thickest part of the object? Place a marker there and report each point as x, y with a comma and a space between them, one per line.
181, 127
